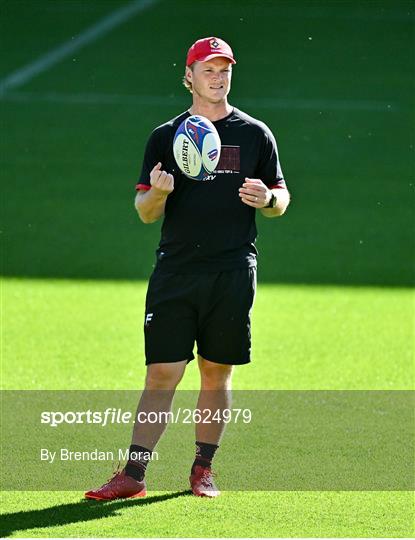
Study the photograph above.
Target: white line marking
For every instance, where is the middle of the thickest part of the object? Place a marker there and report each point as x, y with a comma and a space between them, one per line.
26, 73
183, 101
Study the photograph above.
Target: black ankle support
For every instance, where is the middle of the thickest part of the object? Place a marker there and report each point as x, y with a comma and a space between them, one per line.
137, 463
204, 454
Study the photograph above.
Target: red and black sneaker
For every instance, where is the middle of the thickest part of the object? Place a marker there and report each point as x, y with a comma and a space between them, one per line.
201, 482
120, 486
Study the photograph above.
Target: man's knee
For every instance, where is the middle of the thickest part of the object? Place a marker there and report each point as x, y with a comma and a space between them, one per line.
215, 376
164, 376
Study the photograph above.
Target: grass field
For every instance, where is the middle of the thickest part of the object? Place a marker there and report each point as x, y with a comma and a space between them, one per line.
68, 335
335, 308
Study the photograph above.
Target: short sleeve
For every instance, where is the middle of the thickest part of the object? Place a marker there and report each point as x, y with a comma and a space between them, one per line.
152, 155
269, 167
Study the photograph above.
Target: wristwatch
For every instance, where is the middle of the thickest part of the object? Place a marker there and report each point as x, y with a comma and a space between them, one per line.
272, 202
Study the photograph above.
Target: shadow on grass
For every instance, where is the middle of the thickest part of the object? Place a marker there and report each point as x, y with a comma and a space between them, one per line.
64, 514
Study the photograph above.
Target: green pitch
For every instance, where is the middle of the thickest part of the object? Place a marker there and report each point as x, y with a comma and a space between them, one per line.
334, 308
77, 339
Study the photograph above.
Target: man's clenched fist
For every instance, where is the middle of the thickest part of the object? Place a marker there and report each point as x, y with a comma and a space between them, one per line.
161, 181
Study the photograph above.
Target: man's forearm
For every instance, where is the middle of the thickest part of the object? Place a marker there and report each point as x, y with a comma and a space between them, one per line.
283, 200
150, 205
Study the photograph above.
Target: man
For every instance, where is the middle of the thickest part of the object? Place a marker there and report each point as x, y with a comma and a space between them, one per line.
203, 286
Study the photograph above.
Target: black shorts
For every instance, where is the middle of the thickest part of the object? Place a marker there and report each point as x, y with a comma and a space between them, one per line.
212, 309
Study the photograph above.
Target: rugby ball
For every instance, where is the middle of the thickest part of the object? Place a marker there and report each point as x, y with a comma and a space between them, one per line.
196, 147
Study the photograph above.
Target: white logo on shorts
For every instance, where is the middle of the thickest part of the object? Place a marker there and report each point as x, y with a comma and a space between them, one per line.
149, 316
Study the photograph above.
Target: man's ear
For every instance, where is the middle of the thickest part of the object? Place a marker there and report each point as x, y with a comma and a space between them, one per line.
188, 74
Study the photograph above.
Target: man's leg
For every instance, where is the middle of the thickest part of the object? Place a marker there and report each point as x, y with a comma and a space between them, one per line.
160, 386
161, 382
157, 397
215, 396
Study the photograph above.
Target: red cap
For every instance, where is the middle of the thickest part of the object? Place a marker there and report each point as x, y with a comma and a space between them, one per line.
208, 48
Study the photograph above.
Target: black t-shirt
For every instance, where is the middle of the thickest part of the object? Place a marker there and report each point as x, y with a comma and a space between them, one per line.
206, 227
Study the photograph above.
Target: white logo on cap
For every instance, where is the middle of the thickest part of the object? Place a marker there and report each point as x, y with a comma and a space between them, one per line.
214, 44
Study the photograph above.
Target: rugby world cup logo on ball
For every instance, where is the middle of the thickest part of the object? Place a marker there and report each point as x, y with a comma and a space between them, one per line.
196, 147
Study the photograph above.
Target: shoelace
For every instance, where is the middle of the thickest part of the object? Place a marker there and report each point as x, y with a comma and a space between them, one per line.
206, 478
117, 471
